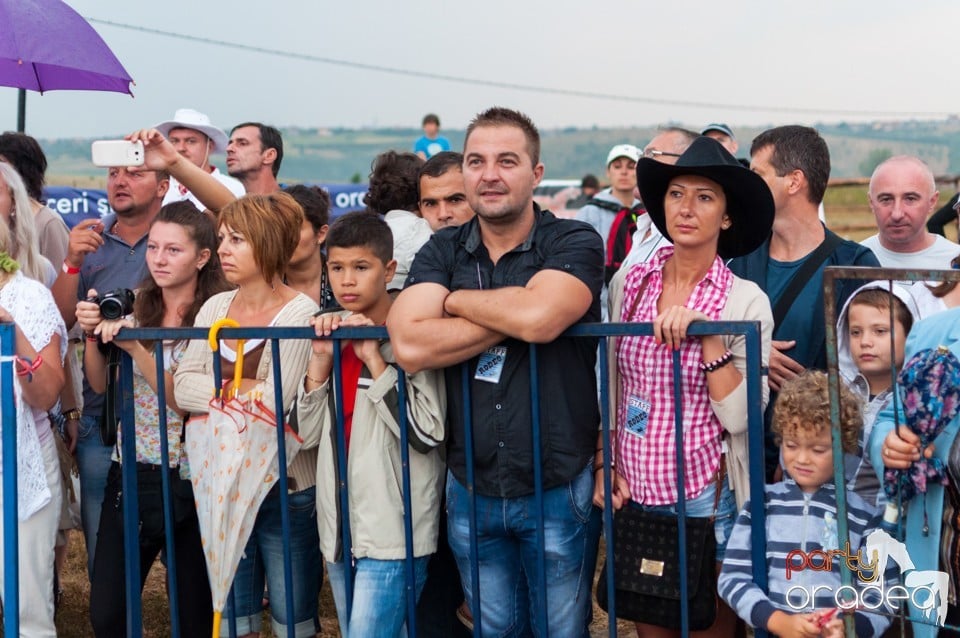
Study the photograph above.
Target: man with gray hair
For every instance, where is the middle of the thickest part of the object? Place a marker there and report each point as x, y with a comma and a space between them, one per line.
903, 194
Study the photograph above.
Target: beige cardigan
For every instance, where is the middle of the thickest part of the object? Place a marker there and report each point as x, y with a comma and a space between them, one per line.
374, 465
193, 380
747, 302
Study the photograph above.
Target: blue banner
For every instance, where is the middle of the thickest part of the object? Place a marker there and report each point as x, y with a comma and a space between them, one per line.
77, 204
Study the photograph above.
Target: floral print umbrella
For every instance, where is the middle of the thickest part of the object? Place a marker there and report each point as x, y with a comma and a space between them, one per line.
232, 451
929, 386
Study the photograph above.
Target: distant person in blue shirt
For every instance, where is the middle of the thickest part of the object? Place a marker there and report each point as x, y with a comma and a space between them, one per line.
431, 142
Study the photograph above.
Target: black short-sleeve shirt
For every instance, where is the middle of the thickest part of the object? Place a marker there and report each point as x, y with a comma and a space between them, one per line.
501, 413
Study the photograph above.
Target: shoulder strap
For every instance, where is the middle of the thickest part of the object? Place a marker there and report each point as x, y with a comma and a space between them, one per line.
604, 204
803, 275
636, 299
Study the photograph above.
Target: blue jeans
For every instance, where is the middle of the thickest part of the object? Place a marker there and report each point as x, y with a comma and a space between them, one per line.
379, 596
702, 507
263, 560
509, 598
93, 460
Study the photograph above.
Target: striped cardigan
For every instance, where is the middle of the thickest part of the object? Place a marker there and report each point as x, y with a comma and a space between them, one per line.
805, 522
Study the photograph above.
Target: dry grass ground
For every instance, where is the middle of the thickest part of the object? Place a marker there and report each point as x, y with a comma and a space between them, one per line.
73, 619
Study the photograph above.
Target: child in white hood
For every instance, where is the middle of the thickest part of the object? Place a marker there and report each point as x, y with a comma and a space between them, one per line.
864, 348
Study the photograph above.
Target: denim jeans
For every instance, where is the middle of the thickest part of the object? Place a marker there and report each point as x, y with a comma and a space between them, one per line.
93, 460
702, 507
379, 596
263, 559
108, 594
509, 598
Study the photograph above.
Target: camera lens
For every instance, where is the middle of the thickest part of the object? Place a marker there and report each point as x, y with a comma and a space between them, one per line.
111, 308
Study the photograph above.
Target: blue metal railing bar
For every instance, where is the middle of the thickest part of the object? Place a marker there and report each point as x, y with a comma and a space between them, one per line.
411, 584
538, 493
283, 483
130, 499
607, 478
165, 487
748, 329
346, 543
11, 538
472, 502
681, 496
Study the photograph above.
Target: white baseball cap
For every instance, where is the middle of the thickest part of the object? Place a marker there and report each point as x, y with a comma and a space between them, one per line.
624, 150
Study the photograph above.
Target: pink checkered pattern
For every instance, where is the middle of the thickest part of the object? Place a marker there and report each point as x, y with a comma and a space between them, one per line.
646, 370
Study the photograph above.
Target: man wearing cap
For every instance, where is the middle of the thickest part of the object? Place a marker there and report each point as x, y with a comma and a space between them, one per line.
613, 211
723, 134
903, 194
194, 137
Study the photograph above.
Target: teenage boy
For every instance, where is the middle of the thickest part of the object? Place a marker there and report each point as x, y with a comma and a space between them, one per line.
802, 516
360, 263
613, 211
864, 350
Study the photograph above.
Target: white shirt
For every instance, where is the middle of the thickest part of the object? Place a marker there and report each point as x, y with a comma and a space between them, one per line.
644, 245
935, 257
178, 192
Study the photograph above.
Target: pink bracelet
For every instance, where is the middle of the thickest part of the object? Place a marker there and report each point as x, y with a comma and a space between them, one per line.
716, 364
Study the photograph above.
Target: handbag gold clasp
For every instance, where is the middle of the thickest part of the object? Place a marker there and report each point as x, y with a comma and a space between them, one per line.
651, 567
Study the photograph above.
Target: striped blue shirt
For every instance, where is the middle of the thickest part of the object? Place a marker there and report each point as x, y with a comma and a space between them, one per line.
801, 527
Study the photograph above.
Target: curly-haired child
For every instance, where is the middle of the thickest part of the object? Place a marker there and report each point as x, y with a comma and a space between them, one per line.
801, 524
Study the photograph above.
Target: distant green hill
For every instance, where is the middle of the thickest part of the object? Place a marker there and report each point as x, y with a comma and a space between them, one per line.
339, 155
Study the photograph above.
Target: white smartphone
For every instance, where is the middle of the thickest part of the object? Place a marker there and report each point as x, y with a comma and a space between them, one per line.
117, 153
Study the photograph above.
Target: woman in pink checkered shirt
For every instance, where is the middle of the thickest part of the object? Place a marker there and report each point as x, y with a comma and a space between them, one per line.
712, 209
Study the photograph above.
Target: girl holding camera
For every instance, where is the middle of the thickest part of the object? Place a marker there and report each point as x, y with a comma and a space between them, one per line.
184, 271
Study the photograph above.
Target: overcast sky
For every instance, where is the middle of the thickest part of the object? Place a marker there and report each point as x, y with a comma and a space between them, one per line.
870, 58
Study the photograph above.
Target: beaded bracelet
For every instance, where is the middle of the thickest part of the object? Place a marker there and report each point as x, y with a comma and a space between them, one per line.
25, 367
716, 364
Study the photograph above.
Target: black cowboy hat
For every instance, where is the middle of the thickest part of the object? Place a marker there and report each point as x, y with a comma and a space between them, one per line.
749, 201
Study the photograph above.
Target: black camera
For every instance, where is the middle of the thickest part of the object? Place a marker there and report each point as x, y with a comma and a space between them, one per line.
115, 304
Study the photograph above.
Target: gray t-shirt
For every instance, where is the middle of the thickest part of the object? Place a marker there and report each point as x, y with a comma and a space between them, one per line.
936, 257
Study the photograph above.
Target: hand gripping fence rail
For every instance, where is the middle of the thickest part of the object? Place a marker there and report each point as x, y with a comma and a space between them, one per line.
749, 330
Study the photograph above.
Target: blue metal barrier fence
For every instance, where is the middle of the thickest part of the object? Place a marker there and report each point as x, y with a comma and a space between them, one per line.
748, 330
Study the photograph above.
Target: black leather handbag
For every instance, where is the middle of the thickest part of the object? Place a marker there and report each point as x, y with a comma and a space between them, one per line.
646, 570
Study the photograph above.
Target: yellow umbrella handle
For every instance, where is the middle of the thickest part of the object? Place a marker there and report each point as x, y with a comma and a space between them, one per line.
226, 322
216, 624
238, 368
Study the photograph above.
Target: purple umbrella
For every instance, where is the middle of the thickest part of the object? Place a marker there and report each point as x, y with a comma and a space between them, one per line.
46, 46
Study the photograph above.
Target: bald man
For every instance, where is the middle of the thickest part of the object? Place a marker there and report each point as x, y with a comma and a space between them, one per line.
903, 195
